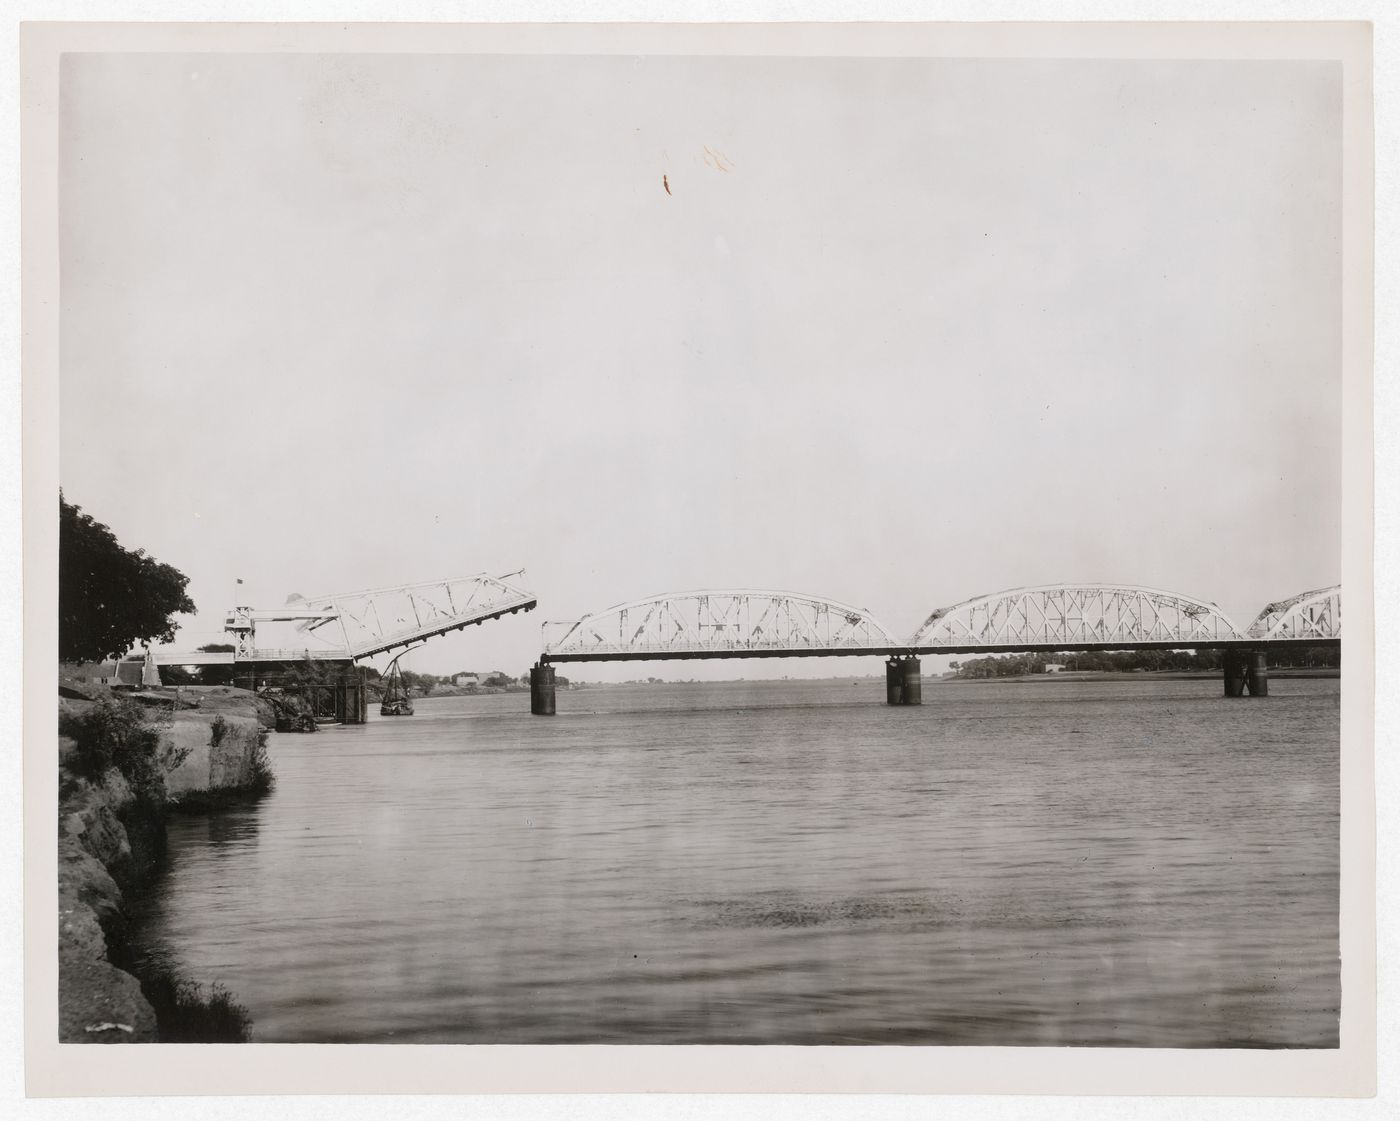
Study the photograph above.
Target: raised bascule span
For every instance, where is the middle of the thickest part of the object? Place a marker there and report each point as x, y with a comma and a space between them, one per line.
346, 627
351, 626
382, 619
1050, 617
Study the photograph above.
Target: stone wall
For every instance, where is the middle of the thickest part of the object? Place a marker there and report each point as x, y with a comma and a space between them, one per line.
214, 761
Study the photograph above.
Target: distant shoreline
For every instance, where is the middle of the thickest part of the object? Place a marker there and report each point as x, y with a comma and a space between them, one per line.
1135, 675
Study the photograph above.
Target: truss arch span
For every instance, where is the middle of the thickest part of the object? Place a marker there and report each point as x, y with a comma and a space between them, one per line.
718, 623
1055, 616
1309, 615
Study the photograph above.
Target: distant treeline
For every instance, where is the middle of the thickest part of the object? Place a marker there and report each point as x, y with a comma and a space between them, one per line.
1127, 661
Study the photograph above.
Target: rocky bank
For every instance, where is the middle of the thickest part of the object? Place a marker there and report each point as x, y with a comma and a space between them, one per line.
98, 1003
112, 838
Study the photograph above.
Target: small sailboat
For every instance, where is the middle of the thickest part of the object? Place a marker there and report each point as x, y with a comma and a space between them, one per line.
396, 701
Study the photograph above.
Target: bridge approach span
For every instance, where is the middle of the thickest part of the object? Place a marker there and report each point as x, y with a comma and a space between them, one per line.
718, 623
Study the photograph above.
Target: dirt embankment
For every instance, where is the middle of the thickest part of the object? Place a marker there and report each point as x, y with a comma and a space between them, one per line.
111, 837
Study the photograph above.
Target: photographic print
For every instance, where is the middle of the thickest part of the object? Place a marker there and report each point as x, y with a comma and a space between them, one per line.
637, 544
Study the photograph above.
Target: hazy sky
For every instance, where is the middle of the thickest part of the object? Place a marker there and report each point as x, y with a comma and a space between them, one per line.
901, 332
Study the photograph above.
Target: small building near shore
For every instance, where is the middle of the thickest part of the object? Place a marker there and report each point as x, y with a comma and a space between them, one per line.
466, 679
1054, 667
91, 673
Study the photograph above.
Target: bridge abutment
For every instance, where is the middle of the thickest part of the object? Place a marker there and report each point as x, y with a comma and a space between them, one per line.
904, 683
542, 689
1246, 671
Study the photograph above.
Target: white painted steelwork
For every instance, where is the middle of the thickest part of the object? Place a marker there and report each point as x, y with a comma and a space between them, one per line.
1315, 614
1056, 615
718, 622
381, 619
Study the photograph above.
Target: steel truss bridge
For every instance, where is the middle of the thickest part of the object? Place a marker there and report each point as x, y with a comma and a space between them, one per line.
1051, 617
350, 626
718, 624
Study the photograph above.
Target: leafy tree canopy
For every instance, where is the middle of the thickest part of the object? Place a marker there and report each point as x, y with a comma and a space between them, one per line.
109, 598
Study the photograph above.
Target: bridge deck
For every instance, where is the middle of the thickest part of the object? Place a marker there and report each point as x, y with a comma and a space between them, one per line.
890, 651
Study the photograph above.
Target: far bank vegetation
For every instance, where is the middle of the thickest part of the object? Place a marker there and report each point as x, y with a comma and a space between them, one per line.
1133, 661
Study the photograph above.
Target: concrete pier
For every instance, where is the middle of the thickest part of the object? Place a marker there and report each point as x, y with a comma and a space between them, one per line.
913, 682
1257, 674
1233, 664
904, 683
894, 682
1246, 671
542, 689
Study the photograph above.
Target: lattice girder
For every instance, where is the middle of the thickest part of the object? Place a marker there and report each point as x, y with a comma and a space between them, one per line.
383, 619
721, 622
1055, 615
1316, 614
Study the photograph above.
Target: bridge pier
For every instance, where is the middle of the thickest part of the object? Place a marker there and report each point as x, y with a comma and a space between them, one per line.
904, 683
542, 689
351, 702
1246, 671
1256, 676
1232, 662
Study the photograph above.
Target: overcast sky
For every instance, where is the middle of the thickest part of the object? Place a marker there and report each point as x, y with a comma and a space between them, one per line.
901, 331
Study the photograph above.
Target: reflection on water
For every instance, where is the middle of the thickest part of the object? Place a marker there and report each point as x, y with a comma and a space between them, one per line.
1134, 863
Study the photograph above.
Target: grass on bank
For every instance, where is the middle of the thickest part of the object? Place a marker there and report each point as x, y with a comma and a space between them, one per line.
187, 1012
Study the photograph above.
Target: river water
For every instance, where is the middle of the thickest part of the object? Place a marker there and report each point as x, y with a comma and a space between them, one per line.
1134, 862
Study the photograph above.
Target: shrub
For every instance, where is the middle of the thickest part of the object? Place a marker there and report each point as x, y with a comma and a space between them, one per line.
187, 1012
116, 732
260, 779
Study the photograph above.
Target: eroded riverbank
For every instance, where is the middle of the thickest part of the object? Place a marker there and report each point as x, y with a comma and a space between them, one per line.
124, 769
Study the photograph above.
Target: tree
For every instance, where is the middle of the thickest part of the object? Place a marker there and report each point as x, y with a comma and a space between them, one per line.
423, 682
109, 598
